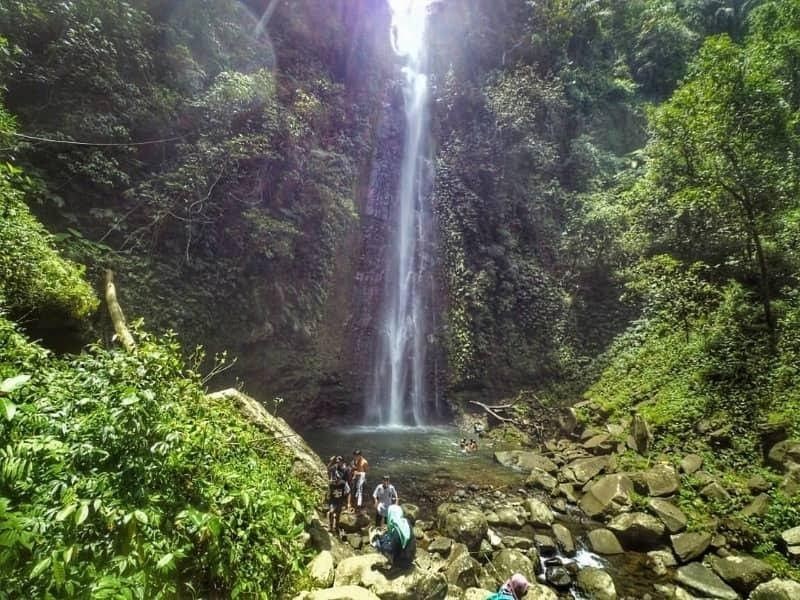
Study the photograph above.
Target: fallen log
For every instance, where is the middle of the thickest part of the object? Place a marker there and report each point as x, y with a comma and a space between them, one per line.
123, 334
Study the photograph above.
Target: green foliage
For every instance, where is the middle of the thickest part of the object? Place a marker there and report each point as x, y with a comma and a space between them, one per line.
119, 478
33, 275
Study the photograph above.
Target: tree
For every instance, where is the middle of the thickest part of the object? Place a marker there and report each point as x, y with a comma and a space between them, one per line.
723, 147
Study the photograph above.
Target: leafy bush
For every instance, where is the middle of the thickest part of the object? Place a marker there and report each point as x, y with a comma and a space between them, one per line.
33, 276
120, 478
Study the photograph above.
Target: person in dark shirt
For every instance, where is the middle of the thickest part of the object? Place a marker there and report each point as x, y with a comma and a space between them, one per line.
338, 491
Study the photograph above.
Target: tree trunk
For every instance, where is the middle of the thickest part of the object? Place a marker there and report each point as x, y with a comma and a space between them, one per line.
123, 334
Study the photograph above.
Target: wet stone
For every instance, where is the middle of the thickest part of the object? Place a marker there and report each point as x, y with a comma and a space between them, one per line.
558, 577
545, 544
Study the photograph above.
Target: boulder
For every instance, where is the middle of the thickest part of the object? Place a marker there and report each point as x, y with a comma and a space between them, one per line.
306, 464
609, 495
441, 546
410, 512
558, 576
527, 461
742, 573
354, 522
541, 479
564, 539
661, 480
370, 571
596, 584
520, 543
777, 589
545, 545
598, 444
791, 483
462, 523
603, 541
758, 484
320, 569
704, 581
463, 571
540, 592
638, 531
507, 517
584, 469
508, 561
345, 592
783, 454
691, 463
640, 438
321, 539
672, 516
539, 514
715, 491
791, 537
660, 561
689, 546
758, 507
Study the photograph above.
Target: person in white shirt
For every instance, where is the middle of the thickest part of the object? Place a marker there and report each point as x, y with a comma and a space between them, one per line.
384, 496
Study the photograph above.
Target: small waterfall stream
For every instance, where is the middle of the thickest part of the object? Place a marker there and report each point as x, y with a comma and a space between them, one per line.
399, 394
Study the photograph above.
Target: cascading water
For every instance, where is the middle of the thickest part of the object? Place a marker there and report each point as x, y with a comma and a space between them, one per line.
399, 392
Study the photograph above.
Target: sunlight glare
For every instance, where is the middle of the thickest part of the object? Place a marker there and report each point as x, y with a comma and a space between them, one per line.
408, 26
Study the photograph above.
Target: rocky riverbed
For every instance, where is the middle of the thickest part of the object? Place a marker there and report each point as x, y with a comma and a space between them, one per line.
577, 523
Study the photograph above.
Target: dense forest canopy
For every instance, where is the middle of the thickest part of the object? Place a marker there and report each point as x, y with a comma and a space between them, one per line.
616, 201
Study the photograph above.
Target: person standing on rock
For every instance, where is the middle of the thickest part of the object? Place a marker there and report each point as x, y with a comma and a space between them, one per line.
337, 493
360, 466
384, 496
515, 588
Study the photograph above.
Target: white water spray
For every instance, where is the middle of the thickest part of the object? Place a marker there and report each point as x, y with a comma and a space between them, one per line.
400, 381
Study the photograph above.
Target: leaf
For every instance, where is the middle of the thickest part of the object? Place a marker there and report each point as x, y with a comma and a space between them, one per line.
40, 567
12, 383
66, 512
140, 516
9, 408
165, 560
82, 514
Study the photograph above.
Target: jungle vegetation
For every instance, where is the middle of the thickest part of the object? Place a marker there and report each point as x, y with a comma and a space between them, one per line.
616, 197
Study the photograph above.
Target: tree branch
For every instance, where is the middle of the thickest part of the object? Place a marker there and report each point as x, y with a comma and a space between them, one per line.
123, 334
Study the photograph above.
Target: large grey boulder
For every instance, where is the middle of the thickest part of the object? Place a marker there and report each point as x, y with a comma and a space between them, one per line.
354, 522
463, 571
661, 480
704, 581
777, 589
345, 592
508, 561
474, 593
541, 479
689, 546
758, 507
691, 463
525, 460
743, 573
638, 531
660, 561
584, 469
507, 517
672, 516
539, 514
603, 541
596, 584
609, 495
306, 464
441, 546
320, 569
370, 571
463, 523
564, 539
783, 454
791, 537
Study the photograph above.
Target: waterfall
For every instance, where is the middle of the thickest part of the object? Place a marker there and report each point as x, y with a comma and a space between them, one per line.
400, 380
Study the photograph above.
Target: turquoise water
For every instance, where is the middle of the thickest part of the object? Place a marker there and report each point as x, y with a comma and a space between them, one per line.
425, 464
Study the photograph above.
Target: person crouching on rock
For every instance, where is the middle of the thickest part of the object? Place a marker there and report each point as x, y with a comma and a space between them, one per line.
398, 543
338, 491
384, 496
515, 588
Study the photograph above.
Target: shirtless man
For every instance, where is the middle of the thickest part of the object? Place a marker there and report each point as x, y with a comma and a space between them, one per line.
360, 467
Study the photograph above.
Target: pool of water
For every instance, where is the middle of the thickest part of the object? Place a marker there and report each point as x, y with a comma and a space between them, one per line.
425, 464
